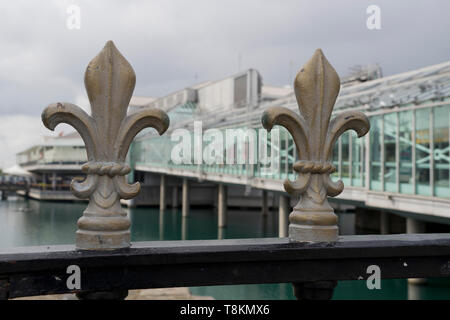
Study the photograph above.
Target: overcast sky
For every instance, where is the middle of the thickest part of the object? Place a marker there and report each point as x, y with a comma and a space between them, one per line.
173, 43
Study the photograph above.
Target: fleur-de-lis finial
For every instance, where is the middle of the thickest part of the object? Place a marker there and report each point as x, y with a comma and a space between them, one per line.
107, 134
316, 89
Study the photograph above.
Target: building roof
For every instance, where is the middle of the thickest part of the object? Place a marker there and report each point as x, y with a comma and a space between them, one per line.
141, 101
432, 82
275, 92
70, 139
412, 87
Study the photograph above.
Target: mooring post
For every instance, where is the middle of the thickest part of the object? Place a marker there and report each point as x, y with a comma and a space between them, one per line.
185, 198
162, 193
316, 88
222, 206
107, 133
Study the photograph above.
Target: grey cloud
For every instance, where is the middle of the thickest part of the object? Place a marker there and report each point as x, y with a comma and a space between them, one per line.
169, 42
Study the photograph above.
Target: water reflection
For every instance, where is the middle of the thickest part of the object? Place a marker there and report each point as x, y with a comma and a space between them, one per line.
221, 233
413, 291
29, 222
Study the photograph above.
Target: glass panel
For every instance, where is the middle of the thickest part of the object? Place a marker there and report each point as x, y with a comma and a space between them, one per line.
441, 120
390, 132
362, 143
345, 174
356, 159
284, 154
375, 153
423, 152
335, 158
405, 144
292, 152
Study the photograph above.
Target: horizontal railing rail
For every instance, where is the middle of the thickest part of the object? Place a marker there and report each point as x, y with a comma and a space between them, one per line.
43, 270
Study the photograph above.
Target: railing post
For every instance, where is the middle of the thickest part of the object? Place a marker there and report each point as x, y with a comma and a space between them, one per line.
107, 134
316, 88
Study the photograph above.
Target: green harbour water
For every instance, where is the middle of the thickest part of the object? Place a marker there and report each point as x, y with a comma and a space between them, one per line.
32, 223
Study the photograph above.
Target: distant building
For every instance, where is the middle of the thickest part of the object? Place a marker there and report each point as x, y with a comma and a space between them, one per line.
54, 163
406, 151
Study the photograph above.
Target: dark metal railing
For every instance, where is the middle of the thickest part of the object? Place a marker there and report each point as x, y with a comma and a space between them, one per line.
312, 268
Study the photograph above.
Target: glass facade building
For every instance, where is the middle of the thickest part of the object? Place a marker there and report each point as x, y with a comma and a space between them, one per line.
406, 151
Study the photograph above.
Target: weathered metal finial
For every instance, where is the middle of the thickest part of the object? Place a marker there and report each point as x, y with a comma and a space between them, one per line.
316, 88
107, 134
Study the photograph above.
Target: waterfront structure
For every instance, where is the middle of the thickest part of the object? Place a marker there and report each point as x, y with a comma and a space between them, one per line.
402, 166
53, 164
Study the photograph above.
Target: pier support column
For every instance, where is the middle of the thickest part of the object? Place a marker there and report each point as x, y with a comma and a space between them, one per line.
283, 211
265, 206
161, 224
184, 228
384, 223
414, 226
162, 193
222, 206
185, 200
175, 197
